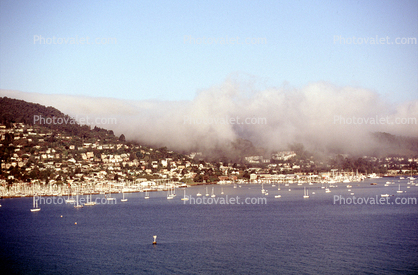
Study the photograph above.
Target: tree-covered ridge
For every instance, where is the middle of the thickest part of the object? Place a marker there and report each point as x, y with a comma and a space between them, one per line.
396, 145
20, 111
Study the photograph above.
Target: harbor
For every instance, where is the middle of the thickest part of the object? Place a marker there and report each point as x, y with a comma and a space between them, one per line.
250, 234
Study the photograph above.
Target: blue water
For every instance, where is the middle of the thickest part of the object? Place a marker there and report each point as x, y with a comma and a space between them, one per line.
290, 235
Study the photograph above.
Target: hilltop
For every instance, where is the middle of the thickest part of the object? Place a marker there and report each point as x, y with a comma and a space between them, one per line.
20, 111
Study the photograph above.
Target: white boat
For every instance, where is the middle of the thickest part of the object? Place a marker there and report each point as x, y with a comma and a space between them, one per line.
123, 197
222, 192
399, 190
384, 195
374, 176
78, 205
278, 196
35, 205
172, 192
169, 196
69, 200
146, 195
327, 190
213, 193
305, 193
89, 202
207, 194
184, 197
198, 194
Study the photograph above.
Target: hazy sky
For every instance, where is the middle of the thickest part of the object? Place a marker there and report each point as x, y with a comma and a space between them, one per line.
151, 58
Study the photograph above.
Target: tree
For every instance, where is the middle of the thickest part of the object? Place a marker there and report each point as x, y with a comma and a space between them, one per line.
198, 178
247, 175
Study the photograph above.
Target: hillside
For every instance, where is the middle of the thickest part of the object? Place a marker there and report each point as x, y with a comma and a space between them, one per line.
392, 145
19, 111
70, 152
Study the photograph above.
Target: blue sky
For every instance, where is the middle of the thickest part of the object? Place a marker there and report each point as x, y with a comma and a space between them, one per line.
151, 60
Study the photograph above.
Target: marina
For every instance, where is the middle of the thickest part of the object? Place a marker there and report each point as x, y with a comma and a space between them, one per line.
69, 190
318, 228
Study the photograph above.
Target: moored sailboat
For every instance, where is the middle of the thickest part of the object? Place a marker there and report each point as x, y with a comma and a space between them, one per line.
399, 190
77, 205
70, 199
169, 196
185, 198
35, 205
213, 193
305, 193
89, 202
123, 197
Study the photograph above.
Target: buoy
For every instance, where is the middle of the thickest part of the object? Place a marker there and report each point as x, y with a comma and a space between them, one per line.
155, 240
75, 223
61, 216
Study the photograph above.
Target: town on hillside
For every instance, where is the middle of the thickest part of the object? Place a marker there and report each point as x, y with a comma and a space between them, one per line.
33, 155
